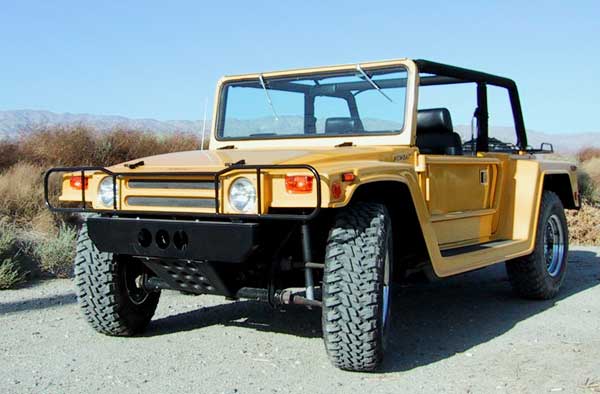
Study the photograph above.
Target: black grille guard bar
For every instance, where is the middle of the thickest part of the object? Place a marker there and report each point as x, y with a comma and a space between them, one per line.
217, 181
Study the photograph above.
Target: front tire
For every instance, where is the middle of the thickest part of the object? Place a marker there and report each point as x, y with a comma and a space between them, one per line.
541, 274
356, 287
108, 290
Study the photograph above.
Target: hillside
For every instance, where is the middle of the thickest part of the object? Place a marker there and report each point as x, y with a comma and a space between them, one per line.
13, 122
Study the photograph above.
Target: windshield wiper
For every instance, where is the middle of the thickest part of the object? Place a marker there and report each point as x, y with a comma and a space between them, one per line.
364, 74
264, 86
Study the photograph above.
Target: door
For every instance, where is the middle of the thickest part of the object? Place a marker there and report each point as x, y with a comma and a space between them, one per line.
461, 196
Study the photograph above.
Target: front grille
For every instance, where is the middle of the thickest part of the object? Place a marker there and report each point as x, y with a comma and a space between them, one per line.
169, 184
176, 202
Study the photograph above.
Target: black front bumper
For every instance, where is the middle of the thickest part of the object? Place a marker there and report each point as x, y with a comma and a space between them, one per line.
175, 239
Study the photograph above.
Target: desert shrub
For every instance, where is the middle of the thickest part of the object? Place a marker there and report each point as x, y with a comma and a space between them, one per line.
592, 168
46, 223
9, 153
11, 272
179, 142
587, 188
8, 240
122, 145
586, 154
82, 145
45, 243
21, 192
58, 145
56, 253
10, 275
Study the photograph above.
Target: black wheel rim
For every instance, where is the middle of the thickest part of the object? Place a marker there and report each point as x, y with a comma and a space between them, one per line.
134, 279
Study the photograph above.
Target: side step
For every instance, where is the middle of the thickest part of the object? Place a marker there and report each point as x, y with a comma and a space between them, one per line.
474, 248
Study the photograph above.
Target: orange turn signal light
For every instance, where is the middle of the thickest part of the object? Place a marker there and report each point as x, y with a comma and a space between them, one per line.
336, 190
78, 182
298, 183
348, 177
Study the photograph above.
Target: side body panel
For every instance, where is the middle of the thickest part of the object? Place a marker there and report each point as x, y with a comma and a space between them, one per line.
508, 211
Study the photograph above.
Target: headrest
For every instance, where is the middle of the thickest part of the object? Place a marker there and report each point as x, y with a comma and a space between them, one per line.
340, 125
434, 120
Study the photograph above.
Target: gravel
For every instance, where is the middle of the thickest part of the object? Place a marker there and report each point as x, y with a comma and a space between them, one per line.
467, 334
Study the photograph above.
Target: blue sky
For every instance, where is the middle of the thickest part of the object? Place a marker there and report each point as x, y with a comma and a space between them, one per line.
161, 59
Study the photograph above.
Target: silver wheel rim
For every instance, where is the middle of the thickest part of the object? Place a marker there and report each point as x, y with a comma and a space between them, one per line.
386, 285
554, 245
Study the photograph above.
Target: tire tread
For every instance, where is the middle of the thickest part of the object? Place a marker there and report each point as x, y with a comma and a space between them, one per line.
352, 285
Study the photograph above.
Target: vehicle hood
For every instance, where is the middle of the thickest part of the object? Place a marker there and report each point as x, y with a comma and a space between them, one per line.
215, 160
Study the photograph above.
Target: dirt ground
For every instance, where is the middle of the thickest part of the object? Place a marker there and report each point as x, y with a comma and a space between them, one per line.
467, 334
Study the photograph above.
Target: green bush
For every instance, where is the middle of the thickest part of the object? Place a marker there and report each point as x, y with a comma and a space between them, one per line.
56, 254
11, 272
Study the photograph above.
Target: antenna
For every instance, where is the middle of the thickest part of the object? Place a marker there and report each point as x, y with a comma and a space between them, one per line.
204, 124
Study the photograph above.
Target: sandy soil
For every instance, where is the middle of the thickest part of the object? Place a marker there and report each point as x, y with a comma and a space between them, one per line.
467, 334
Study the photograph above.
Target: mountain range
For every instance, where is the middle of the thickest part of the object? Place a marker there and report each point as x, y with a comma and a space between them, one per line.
14, 122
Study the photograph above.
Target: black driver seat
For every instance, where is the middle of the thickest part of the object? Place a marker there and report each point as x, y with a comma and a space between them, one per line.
435, 135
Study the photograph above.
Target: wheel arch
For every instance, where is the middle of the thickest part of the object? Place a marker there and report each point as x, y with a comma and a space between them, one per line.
561, 184
410, 246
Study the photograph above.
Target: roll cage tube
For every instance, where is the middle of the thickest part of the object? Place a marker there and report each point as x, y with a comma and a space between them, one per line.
444, 74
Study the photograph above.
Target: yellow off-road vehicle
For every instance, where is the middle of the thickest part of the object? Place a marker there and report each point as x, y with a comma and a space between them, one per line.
323, 187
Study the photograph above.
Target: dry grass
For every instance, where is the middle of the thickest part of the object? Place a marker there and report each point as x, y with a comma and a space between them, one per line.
66, 146
82, 145
35, 237
587, 154
584, 225
45, 223
588, 189
21, 192
122, 145
55, 253
9, 153
592, 168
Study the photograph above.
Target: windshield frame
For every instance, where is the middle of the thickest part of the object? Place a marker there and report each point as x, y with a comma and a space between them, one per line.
366, 138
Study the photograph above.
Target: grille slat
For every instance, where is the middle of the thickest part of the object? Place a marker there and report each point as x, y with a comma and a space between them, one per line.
183, 202
169, 184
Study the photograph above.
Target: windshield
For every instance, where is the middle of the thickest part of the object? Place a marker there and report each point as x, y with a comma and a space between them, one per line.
358, 102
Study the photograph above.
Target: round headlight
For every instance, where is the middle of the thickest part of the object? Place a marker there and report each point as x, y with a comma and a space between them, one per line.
106, 194
242, 195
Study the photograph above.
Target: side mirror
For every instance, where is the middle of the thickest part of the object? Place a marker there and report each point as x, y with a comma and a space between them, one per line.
547, 147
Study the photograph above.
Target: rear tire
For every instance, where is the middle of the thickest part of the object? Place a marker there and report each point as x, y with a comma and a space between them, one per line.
356, 287
107, 290
541, 274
